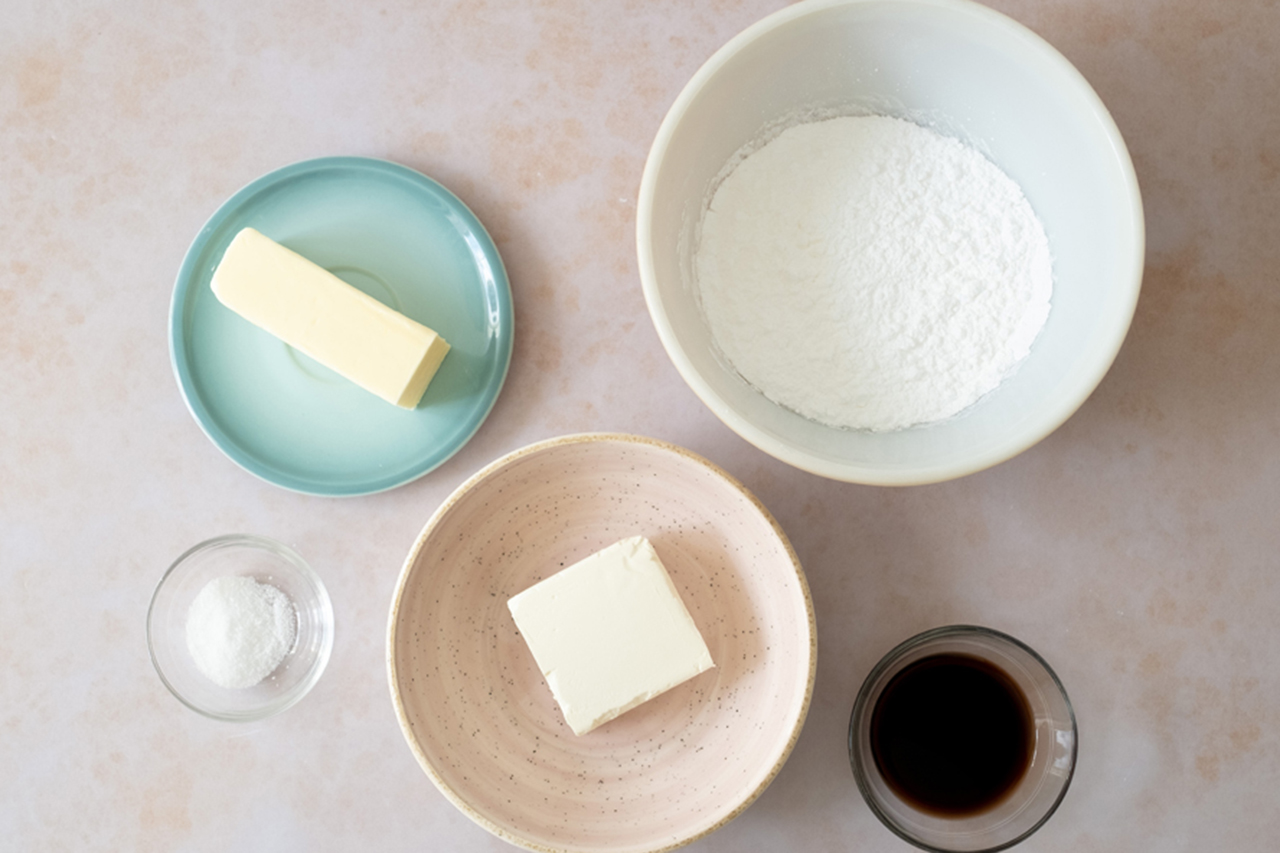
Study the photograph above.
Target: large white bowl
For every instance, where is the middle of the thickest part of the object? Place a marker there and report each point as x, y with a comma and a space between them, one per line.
966, 71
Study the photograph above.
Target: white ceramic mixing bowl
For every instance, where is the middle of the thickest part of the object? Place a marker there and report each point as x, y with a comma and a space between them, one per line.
966, 71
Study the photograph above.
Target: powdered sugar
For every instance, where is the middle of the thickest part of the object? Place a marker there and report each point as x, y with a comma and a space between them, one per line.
239, 630
869, 273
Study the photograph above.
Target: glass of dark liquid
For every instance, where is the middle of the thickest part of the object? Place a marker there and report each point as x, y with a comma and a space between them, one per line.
962, 739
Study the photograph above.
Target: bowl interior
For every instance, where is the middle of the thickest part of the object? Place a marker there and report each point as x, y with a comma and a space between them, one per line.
267, 562
476, 710
967, 72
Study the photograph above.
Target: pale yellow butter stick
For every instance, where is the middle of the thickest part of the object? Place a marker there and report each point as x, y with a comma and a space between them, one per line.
314, 311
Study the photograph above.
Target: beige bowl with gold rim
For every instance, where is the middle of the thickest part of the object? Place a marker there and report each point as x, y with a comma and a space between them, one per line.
476, 711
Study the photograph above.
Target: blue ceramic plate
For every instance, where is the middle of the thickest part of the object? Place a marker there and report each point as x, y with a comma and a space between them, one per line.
398, 236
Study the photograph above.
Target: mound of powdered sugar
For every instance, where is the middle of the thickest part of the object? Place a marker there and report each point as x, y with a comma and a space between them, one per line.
870, 273
239, 630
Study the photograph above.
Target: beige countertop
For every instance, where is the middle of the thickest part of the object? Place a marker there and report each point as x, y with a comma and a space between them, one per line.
1135, 548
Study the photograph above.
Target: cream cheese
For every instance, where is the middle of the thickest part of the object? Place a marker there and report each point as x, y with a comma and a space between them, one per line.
609, 633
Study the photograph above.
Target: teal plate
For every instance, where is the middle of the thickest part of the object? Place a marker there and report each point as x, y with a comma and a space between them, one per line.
398, 236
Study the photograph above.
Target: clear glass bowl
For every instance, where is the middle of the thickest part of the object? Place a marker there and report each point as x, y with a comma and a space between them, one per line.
1031, 801
266, 561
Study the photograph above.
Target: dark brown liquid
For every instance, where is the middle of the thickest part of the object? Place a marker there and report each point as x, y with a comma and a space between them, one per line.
952, 734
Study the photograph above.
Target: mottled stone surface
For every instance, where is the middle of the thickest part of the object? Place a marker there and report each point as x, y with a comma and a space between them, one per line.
1135, 548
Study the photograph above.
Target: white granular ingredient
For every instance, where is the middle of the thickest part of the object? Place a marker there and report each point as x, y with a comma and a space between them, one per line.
870, 273
239, 630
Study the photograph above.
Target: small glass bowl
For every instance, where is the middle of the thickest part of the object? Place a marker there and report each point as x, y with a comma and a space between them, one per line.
1031, 801
266, 561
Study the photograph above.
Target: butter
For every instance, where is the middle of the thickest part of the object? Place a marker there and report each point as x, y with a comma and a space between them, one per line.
314, 311
609, 633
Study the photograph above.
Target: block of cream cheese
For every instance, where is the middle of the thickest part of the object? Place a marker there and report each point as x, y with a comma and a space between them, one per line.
314, 311
609, 632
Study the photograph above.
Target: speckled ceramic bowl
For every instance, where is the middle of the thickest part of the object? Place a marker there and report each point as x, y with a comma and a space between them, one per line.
476, 710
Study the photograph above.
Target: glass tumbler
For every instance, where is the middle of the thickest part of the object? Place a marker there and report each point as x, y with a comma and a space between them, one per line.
1029, 802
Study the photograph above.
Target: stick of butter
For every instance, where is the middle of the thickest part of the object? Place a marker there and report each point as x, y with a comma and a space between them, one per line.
312, 310
609, 633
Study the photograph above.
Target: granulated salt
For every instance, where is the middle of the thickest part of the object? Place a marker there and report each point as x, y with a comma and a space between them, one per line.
239, 630
867, 272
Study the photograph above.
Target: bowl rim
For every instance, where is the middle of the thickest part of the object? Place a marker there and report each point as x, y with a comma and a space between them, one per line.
1037, 427
459, 495
293, 558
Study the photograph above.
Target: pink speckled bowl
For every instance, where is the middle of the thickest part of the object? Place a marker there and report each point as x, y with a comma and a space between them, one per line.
478, 714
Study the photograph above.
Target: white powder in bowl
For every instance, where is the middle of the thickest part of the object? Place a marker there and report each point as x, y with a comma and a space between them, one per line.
870, 273
239, 630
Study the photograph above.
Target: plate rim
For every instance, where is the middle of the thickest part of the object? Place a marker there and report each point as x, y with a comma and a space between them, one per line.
197, 407
505, 461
